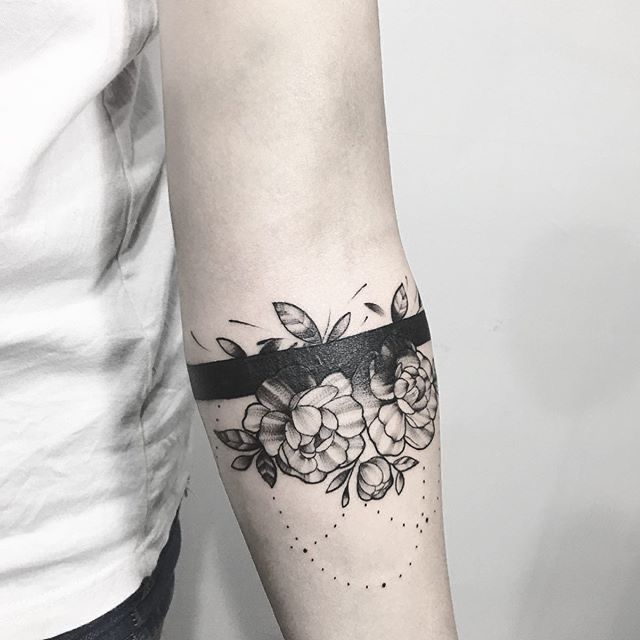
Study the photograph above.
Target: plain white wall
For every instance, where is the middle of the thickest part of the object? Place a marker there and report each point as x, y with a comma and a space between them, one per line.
515, 141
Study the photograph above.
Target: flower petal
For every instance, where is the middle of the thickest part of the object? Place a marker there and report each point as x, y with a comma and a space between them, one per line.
272, 431
370, 473
349, 414
331, 458
409, 359
307, 420
381, 387
305, 439
355, 446
329, 420
340, 440
340, 382
393, 420
419, 419
324, 433
293, 436
325, 444
400, 388
404, 406
382, 491
383, 443
295, 398
426, 364
297, 461
253, 416
432, 406
412, 396
308, 450
318, 396
420, 438
420, 404
274, 393
310, 478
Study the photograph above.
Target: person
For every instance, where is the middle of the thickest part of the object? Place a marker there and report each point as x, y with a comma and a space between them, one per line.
306, 341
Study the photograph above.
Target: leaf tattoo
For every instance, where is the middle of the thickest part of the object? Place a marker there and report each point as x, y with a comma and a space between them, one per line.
231, 348
267, 468
339, 328
238, 439
405, 463
241, 463
339, 480
400, 304
376, 308
399, 482
297, 322
270, 345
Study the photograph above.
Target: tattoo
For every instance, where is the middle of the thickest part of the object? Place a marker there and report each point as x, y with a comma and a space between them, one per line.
330, 407
193, 335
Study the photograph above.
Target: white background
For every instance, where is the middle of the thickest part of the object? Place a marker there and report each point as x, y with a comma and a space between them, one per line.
515, 142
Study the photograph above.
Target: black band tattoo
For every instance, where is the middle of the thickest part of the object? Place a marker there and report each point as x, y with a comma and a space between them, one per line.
242, 376
325, 402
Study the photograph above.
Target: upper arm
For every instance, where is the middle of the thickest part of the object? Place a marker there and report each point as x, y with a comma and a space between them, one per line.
274, 108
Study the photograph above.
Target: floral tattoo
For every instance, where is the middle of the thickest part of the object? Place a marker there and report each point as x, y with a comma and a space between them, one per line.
328, 406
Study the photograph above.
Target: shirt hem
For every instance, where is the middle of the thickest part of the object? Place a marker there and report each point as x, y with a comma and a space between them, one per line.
51, 616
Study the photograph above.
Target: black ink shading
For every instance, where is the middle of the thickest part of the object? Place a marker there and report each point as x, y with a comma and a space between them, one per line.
325, 404
270, 345
376, 308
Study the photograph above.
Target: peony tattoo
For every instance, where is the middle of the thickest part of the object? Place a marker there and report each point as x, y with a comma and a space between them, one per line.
404, 381
311, 429
334, 407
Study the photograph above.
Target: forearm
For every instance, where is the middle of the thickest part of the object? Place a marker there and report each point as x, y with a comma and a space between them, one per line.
281, 194
362, 560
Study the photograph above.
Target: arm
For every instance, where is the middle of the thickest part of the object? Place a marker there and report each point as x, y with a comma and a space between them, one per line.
309, 354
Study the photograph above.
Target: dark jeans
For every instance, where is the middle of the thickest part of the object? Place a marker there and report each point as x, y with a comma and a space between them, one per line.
141, 615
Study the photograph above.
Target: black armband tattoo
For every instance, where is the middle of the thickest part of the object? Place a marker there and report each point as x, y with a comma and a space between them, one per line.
324, 403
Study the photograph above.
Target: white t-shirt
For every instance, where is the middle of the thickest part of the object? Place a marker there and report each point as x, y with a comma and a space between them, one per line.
95, 405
